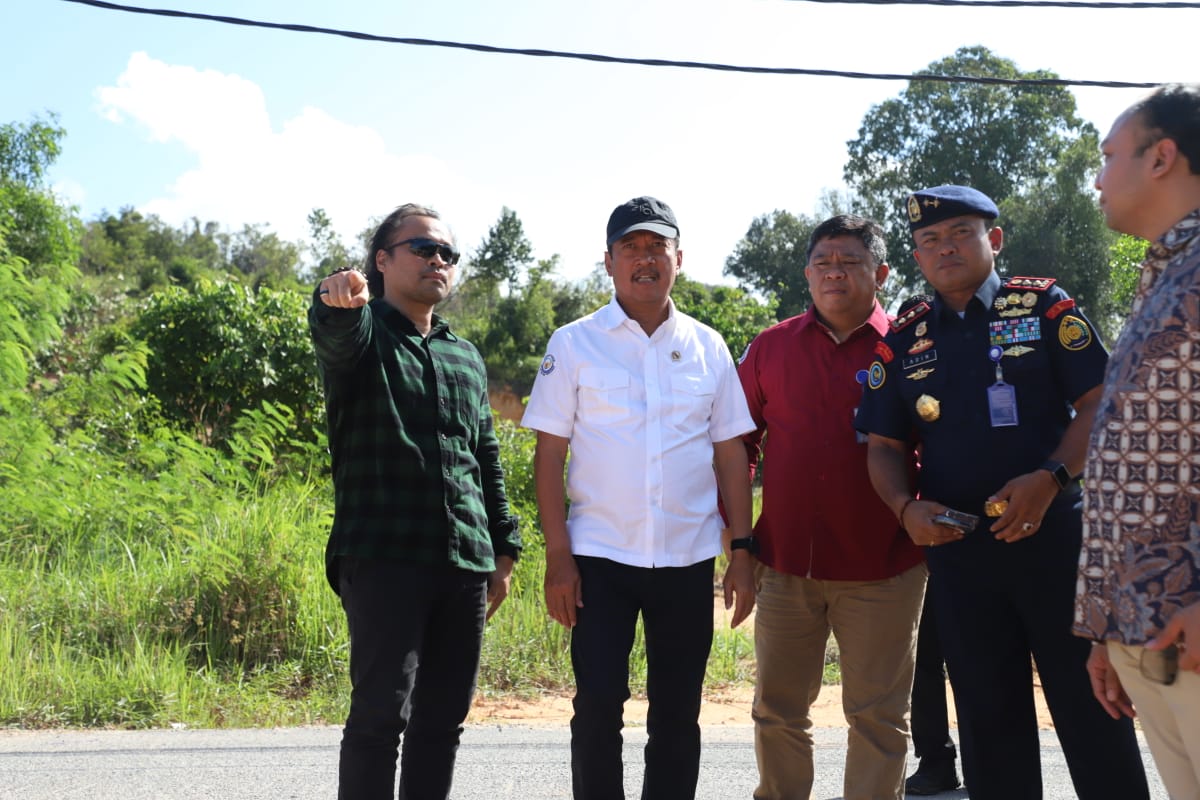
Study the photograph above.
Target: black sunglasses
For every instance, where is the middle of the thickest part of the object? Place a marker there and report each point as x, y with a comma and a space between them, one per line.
425, 248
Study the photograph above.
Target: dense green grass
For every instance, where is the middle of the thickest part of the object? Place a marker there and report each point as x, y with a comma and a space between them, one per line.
186, 587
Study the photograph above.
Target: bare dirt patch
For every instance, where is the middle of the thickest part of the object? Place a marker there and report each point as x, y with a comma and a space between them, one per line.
723, 707
727, 706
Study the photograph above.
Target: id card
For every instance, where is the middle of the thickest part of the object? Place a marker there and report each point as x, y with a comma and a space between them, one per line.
1002, 404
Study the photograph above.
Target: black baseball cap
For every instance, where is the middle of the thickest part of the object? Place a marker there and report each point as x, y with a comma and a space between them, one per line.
642, 214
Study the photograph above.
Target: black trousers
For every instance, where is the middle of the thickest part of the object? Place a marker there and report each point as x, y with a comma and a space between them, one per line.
676, 608
998, 604
930, 716
415, 637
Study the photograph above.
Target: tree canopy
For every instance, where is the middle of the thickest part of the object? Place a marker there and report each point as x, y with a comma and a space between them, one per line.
770, 260
995, 138
1022, 145
505, 253
38, 245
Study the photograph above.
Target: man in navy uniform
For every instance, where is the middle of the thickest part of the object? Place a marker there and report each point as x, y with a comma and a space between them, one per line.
997, 381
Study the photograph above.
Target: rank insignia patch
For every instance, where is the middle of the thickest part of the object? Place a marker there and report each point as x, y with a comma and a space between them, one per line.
908, 316
1037, 284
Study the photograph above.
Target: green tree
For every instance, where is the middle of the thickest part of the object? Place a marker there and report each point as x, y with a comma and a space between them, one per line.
770, 260
505, 253
734, 313
574, 299
328, 250
220, 349
1004, 140
38, 243
1125, 257
133, 252
39, 229
519, 328
1055, 229
263, 259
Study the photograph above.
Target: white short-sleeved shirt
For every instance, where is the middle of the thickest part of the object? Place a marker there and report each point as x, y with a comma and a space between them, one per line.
641, 413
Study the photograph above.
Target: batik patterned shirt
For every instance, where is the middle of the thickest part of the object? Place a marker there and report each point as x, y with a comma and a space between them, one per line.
1140, 561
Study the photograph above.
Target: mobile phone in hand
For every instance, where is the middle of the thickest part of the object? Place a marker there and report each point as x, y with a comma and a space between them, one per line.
960, 520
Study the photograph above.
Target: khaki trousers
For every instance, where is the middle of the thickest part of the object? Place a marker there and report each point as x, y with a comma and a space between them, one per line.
875, 625
1170, 718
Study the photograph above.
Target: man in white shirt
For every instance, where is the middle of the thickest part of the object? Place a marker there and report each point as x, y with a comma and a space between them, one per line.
647, 400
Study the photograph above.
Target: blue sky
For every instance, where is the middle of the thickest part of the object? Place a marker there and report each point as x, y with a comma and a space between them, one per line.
185, 118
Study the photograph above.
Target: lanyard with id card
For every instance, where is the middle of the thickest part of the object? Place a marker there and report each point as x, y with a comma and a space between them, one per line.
1002, 397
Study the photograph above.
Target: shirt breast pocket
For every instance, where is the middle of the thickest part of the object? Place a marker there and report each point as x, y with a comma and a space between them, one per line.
1025, 363
604, 395
692, 400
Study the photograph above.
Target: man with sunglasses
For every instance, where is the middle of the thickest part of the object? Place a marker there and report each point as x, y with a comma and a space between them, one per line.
647, 400
1138, 594
423, 543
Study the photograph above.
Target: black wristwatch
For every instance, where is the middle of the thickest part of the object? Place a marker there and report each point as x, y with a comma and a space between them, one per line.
1062, 476
744, 543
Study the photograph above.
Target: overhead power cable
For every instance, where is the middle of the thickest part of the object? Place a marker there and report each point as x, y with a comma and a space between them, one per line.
645, 62
1006, 3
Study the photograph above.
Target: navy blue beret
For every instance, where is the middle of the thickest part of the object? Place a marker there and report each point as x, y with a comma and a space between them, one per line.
930, 206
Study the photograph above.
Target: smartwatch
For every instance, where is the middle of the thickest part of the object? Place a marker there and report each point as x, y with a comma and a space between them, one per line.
744, 543
1062, 476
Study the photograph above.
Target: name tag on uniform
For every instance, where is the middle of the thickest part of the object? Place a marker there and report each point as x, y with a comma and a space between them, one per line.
914, 361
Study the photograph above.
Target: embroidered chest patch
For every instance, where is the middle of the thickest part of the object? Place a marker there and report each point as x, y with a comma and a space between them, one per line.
1011, 331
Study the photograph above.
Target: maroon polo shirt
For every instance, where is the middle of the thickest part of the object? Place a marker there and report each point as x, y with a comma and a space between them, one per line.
820, 515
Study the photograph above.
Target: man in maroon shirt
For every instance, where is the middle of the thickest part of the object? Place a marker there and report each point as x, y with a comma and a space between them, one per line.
833, 555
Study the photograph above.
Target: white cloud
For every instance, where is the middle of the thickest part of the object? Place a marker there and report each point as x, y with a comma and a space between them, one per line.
250, 171
69, 192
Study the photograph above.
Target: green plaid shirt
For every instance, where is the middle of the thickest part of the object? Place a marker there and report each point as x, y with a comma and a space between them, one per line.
416, 464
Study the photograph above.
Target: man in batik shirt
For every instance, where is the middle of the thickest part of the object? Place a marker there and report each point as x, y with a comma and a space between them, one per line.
1138, 594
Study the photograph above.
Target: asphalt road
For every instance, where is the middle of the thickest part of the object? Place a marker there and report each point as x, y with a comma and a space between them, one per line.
495, 762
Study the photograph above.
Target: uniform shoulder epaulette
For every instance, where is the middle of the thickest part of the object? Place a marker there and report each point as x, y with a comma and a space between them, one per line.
1035, 284
910, 316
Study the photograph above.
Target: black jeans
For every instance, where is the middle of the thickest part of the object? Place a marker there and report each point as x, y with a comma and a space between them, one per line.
415, 637
676, 608
998, 603
930, 717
